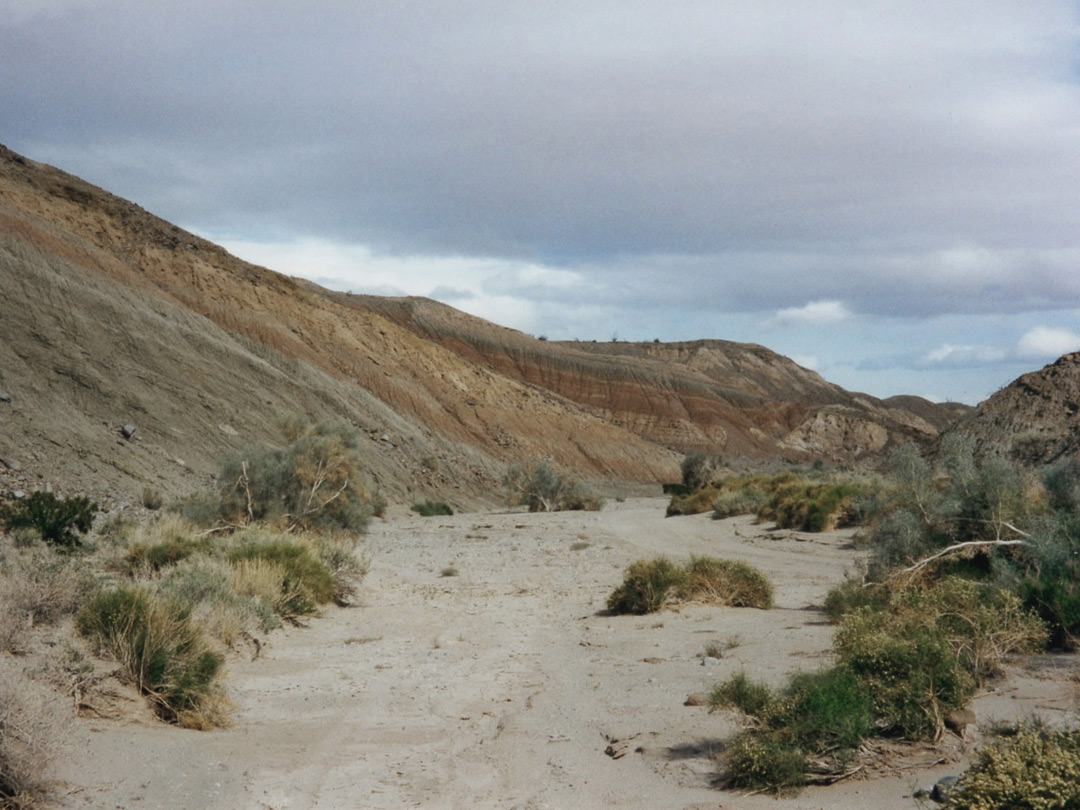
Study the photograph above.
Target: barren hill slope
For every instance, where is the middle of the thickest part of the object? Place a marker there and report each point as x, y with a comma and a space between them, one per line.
111, 316
711, 395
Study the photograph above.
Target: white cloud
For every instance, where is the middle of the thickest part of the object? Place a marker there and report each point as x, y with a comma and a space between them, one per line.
816, 313
952, 355
1048, 342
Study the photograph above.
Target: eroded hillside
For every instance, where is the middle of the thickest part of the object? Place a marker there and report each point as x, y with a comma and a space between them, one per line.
110, 316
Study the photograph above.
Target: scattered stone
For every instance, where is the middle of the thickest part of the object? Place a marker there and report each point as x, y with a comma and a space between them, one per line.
943, 787
5, 396
709, 661
956, 720
617, 749
697, 699
228, 430
653, 660
11, 464
18, 494
127, 431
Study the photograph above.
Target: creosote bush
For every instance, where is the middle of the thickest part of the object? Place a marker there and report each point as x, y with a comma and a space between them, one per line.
59, 521
649, 584
543, 488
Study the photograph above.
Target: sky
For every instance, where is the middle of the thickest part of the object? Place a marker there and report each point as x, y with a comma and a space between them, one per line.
888, 193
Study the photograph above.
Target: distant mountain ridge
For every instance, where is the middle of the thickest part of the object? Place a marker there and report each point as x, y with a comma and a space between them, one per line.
111, 316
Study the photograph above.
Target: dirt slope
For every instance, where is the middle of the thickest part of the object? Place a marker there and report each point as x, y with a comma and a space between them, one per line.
111, 316
1036, 418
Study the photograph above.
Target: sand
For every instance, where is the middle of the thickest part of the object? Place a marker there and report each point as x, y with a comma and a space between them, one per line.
504, 685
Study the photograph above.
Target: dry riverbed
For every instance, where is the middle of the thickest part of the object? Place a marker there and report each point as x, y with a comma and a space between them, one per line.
480, 671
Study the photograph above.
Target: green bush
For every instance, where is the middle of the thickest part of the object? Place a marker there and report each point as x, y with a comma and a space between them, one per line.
825, 714
58, 520
851, 595
161, 649
1037, 770
725, 582
750, 697
315, 482
647, 586
432, 508
908, 667
543, 488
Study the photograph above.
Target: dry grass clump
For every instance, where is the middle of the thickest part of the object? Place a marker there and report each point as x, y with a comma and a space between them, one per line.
162, 650
36, 588
30, 731
649, 584
725, 582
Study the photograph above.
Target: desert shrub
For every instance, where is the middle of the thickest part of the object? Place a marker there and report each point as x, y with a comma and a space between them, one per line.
750, 697
543, 488
315, 481
432, 508
693, 503
152, 499
154, 557
730, 503
161, 649
647, 586
30, 732
725, 582
58, 520
825, 714
117, 529
762, 762
346, 567
1062, 484
45, 587
697, 470
908, 667
851, 594
207, 588
1036, 770
813, 507
303, 580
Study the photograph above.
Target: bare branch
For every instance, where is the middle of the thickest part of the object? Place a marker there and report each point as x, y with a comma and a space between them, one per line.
958, 546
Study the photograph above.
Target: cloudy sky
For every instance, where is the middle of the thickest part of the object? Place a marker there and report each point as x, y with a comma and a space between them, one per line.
886, 192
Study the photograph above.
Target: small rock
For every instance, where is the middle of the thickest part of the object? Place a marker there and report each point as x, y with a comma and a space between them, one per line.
18, 494
127, 431
943, 787
11, 464
697, 699
709, 661
5, 396
228, 430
